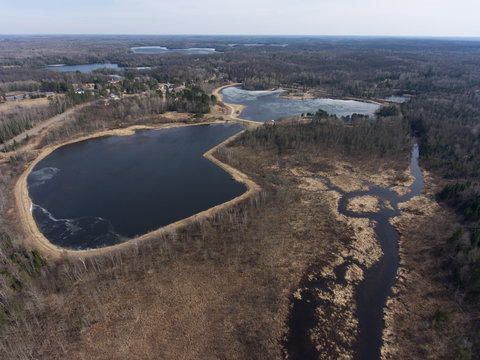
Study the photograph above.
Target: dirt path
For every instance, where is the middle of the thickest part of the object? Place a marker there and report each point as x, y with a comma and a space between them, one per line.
44, 124
235, 109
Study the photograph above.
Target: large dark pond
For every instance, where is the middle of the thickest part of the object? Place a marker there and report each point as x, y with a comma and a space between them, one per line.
267, 105
103, 191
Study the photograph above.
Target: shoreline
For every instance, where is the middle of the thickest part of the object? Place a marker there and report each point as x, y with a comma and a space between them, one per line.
409, 313
235, 109
36, 239
288, 95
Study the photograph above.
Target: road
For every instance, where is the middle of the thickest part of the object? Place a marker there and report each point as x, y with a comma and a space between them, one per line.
37, 128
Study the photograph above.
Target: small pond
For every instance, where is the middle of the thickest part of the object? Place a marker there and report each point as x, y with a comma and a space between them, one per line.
397, 98
165, 50
84, 68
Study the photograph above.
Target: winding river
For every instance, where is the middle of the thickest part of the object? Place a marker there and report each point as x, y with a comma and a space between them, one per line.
372, 292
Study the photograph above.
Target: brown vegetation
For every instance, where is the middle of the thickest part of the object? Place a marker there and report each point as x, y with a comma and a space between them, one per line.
220, 287
427, 318
224, 284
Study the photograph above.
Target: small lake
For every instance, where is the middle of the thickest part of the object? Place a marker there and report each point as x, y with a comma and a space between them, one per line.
258, 44
103, 191
267, 105
165, 50
85, 68
397, 98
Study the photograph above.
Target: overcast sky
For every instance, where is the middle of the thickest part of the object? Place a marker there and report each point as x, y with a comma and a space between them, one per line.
275, 17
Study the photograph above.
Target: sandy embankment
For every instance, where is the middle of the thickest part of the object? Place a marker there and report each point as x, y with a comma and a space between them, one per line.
235, 109
37, 240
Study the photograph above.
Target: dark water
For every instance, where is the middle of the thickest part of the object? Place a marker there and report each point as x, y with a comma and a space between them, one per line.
371, 294
85, 68
165, 50
266, 105
103, 191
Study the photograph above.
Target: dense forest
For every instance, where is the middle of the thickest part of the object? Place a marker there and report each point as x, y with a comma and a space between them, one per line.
442, 76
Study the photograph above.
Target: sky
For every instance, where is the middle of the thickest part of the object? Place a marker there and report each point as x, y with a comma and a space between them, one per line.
459, 18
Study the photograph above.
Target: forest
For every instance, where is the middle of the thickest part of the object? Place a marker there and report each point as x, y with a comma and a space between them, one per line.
437, 80
440, 77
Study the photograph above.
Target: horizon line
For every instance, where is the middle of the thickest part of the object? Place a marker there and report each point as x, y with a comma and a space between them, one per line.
452, 37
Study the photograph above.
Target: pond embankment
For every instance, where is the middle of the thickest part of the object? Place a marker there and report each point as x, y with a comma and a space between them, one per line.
37, 239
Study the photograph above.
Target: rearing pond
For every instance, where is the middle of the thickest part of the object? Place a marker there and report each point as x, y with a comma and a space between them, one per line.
103, 191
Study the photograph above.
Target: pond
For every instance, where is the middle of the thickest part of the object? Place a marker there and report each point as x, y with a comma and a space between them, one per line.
103, 191
397, 98
84, 68
165, 50
267, 105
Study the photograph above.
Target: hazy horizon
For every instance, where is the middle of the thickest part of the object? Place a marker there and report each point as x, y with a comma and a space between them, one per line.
410, 18
285, 36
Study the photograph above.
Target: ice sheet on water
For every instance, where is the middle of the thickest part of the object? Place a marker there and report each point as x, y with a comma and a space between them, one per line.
79, 233
39, 177
235, 94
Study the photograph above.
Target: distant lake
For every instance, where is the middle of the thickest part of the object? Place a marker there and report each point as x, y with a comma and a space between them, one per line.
85, 68
165, 50
258, 44
396, 98
267, 105
103, 191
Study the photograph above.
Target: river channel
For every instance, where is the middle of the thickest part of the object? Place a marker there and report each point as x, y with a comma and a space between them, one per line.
372, 292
